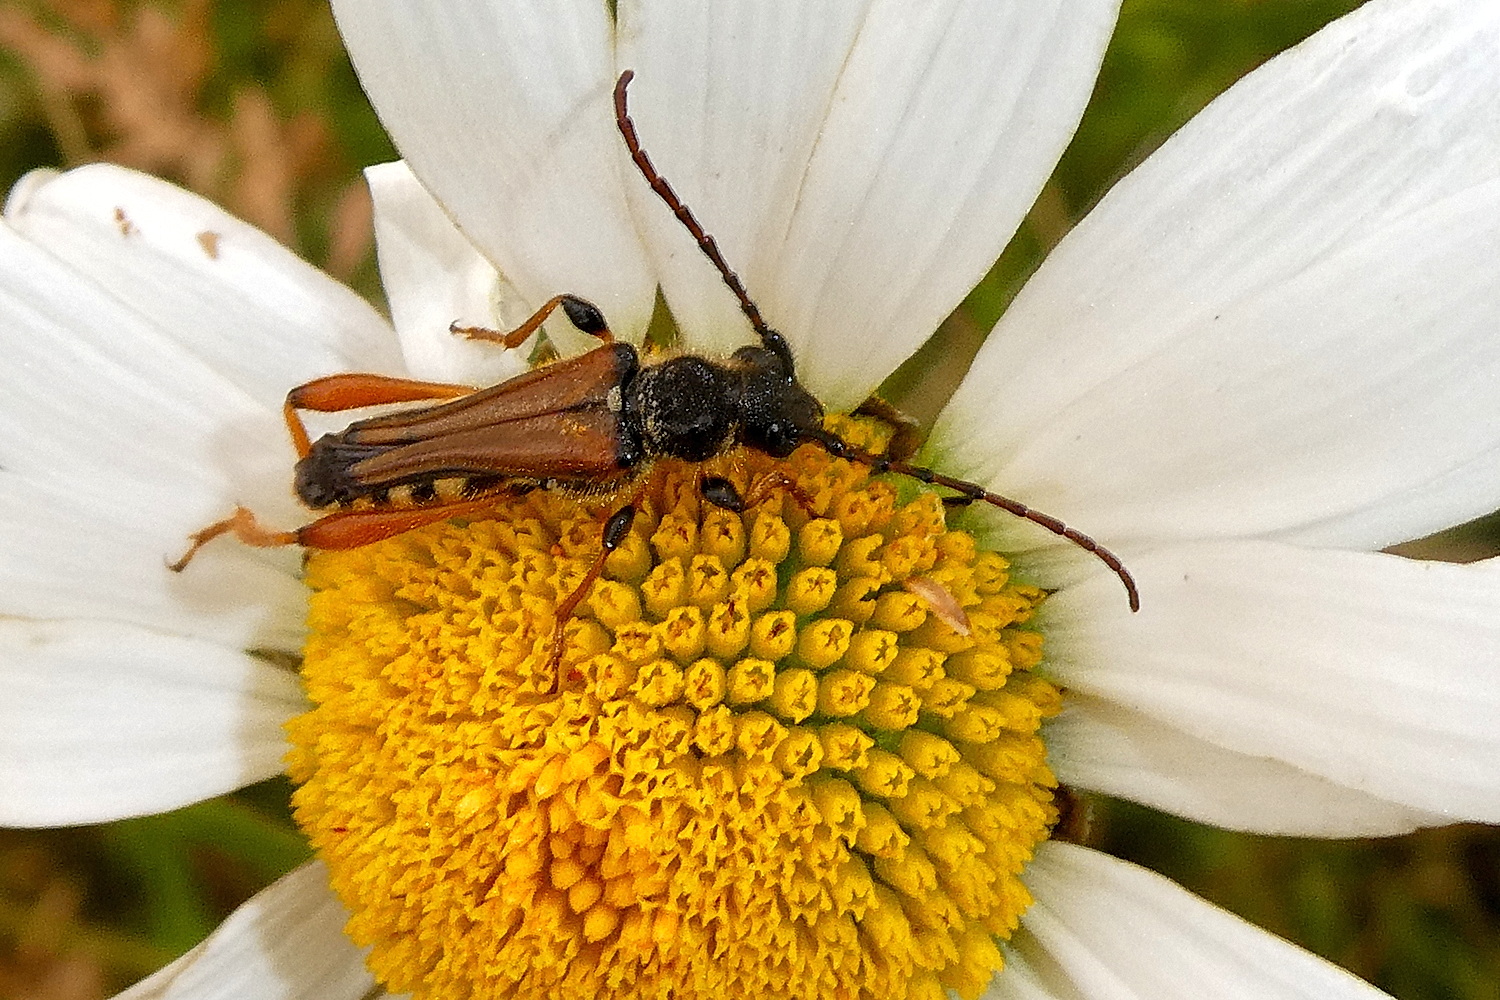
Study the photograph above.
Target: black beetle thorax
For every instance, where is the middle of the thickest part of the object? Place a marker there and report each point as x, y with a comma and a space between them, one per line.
693, 408
684, 408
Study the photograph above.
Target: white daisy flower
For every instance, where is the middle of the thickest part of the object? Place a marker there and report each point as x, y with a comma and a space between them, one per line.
1266, 354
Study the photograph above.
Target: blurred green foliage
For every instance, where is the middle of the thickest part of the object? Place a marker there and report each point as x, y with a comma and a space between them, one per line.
277, 130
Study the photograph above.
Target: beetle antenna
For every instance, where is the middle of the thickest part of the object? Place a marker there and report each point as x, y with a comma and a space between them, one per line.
706, 242
972, 492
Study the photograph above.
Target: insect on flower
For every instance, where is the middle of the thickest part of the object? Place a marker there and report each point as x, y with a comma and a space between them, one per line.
588, 425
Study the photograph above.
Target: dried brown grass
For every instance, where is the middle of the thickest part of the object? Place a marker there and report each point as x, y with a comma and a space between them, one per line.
132, 84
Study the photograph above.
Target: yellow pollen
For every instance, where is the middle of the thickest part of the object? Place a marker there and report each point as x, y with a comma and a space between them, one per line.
769, 770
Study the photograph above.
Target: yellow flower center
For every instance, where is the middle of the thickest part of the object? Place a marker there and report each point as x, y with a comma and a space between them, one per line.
770, 770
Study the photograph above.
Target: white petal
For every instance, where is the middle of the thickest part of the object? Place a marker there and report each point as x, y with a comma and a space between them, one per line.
1099, 746
1018, 980
1103, 929
433, 277
102, 720
502, 108
1283, 322
862, 165
231, 295
1379, 673
115, 444
287, 943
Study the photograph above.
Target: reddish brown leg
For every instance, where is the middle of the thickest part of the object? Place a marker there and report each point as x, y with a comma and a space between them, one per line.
584, 315
765, 485
615, 531
722, 493
344, 530
351, 391
326, 395
244, 526
352, 528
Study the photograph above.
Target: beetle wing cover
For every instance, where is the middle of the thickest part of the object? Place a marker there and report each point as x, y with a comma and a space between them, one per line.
553, 422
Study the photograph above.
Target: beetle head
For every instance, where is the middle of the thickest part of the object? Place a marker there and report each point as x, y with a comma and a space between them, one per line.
775, 413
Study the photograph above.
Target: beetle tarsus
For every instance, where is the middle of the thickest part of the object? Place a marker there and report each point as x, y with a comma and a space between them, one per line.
770, 482
243, 525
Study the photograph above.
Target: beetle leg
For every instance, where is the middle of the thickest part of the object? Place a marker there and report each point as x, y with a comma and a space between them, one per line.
244, 526
906, 431
351, 391
615, 531
582, 313
347, 529
770, 482
721, 493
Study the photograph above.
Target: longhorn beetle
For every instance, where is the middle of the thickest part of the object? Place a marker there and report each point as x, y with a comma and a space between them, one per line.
588, 425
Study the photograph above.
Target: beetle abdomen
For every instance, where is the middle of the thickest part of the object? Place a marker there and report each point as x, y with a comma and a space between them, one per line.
322, 479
